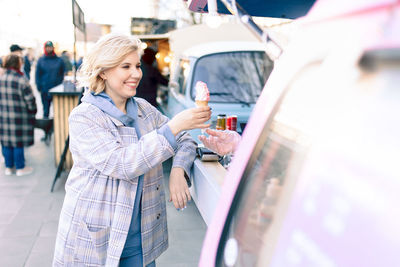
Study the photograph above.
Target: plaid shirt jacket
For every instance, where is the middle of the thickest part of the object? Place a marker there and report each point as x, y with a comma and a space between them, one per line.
17, 110
101, 187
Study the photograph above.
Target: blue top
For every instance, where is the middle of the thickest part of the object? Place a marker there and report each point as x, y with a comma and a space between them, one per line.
133, 244
49, 72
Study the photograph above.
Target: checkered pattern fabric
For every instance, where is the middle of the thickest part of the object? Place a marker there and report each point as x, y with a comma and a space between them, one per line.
101, 187
17, 110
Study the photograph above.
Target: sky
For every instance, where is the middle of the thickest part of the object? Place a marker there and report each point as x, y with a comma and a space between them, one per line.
31, 22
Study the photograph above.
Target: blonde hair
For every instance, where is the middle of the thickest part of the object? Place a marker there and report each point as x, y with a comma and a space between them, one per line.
107, 53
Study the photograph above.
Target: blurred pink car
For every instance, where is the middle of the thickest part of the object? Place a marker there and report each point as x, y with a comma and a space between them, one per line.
316, 178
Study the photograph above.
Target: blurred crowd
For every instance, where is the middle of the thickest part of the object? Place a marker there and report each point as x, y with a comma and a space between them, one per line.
18, 108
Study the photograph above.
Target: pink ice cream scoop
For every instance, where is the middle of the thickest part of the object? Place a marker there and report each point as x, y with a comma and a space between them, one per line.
202, 94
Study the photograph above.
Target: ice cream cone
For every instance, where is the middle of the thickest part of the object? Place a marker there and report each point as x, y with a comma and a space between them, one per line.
200, 103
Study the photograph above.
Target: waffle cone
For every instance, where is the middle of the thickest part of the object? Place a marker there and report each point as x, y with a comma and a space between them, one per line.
201, 103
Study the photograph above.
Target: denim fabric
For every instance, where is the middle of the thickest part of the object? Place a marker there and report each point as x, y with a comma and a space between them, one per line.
135, 261
14, 156
46, 101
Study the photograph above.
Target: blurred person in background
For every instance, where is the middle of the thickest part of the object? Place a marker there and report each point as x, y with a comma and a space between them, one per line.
16, 50
67, 62
114, 212
28, 61
17, 116
77, 63
1, 65
49, 73
151, 78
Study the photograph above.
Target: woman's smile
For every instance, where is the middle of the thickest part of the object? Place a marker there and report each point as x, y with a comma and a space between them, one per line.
132, 84
122, 80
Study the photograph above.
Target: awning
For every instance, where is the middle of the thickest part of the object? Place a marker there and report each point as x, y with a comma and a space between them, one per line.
290, 9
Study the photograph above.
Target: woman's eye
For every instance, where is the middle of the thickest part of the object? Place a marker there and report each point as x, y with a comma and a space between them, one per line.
125, 67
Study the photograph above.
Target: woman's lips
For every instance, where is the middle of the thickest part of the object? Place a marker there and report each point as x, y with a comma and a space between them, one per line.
132, 84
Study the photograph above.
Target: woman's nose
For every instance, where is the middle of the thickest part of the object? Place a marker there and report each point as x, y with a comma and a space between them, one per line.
136, 73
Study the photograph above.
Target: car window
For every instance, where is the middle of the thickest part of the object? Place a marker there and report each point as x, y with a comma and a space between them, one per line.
184, 69
267, 181
233, 77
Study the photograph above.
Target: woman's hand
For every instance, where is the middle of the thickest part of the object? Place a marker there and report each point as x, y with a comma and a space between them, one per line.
221, 142
178, 188
190, 119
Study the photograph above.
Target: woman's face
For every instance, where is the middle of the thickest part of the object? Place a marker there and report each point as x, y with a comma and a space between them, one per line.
122, 80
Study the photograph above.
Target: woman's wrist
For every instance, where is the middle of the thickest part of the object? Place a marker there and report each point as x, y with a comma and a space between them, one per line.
174, 128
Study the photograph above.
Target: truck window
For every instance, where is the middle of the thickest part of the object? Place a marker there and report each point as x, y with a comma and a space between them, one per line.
264, 192
233, 77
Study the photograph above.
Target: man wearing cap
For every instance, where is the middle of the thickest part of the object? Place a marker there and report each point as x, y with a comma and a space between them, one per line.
49, 73
26, 66
16, 49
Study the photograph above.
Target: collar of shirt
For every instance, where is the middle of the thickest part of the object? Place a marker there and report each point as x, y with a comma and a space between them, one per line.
105, 103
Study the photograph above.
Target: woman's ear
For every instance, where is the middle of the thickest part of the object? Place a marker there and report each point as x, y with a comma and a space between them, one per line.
103, 76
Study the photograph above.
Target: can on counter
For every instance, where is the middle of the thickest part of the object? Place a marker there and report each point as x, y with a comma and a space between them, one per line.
221, 122
231, 123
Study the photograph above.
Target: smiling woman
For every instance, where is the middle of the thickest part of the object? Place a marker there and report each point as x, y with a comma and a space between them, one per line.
114, 212
121, 81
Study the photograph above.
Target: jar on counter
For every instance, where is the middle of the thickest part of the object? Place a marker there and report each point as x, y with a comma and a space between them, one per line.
221, 122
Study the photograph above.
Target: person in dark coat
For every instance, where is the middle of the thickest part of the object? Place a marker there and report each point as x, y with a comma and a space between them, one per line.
67, 61
49, 73
17, 116
27, 67
28, 60
151, 78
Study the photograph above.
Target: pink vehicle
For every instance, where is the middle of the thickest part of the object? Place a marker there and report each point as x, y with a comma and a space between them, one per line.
315, 180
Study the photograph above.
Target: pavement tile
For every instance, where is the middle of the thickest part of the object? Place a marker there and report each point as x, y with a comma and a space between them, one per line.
52, 215
42, 252
49, 229
185, 264
14, 190
36, 203
2, 229
13, 180
23, 226
44, 244
177, 254
186, 237
15, 251
42, 259
6, 218
183, 220
11, 204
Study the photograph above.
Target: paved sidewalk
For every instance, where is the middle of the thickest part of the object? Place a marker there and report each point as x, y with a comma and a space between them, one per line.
29, 216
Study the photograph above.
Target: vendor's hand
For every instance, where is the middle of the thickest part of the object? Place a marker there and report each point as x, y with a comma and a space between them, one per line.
221, 142
178, 189
190, 119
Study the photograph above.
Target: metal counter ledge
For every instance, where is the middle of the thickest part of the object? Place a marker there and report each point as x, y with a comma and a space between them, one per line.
207, 179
